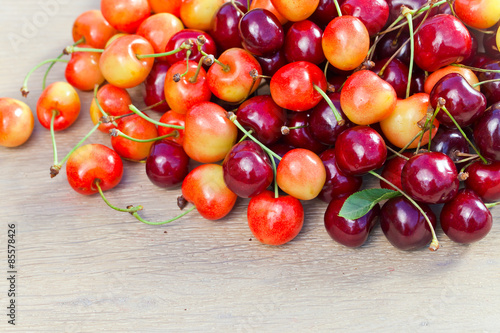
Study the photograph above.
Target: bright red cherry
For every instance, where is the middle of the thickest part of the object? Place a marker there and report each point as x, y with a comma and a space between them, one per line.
484, 179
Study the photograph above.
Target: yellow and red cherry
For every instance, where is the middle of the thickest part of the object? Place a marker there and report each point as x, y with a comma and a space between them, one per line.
360, 149
346, 42
479, 14
268, 5
114, 101
366, 98
93, 163
209, 135
261, 32
120, 64
190, 36
295, 10
301, 173
172, 118
198, 14
374, 14
231, 79
16, 122
434, 77
61, 101
484, 180
158, 29
125, 15
303, 43
93, 28
161, 6
154, 87
205, 188
225, 30
404, 123
275, 221
83, 71
138, 128
293, 86
167, 164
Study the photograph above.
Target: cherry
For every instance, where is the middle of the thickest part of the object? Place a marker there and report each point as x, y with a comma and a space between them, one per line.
434, 77
484, 180
204, 187
490, 46
324, 13
466, 219
247, 169
275, 221
430, 178
479, 14
373, 14
390, 43
272, 63
395, 10
261, 32
491, 90
295, 10
16, 122
225, 30
404, 225
135, 127
351, 233
337, 184
392, 171
158, 29
264, 117
301, 174
83, 71
190, 36
450, 141
125, 15
114, 101
93, 163
93, 28
360, 149
172, 118
154, 87
300, 136
395, 73
167, 164
161, 6
61, 101
487, 133
303, 43
198, 14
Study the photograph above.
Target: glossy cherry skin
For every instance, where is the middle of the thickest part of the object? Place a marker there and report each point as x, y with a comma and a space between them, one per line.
434, 77
63, 98
167, 164
487, 133
275, 221
337, 184
396, 74
205, 188
161, 6
430, 178
154, 87
125, 15
92, 26
466, 219
138, 128
199, 14
391, 42
16, 122
324, 13
491, 89
484, 180
360, 149
302, 137
450, 141
351, 233
261, 32
189, 35
395, 10
479, 14
91, 163
114, 101
295, 10
292, 86
262, 115
322, 122
463, 102
82, 71
247, 169
404, 226
225, 31
373, 14
392, 171
303, 43
172, 118
441, 41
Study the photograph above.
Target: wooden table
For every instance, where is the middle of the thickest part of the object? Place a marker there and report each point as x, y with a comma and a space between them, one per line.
82, 267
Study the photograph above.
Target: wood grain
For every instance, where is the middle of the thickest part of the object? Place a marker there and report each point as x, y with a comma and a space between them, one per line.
85, 268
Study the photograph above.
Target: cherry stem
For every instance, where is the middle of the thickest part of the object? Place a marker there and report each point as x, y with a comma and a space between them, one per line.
126, 210
434, 243
73, 49
245, 136
152, 106
415, 13
397, 153
232, 117
117, 132
24, 88
492, 204
225, 67
188, 54
142, 115
81, 40
338, 117
476, 69
407, 13
276, 192
236, 7
184, 46
194, 78
468, 159
339, 12
104, 113
462, 132
137, 216
483, 82
53, 136
285, 130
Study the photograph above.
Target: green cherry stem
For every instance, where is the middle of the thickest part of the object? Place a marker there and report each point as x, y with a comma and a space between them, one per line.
339, 12
338, 117
434, 243
137, 216
117, 132
275, 172
483, 82
245, 136
24, 88
73, 49
177, 77
397, 153
476, 69
126, 210
142, 115
407, 13
152, 106
78, 42
492, 204
194, 78
104, 113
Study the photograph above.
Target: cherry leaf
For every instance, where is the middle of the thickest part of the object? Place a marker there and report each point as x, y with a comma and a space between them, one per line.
360, 203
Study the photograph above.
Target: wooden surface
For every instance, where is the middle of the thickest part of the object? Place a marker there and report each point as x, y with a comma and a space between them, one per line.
83, 267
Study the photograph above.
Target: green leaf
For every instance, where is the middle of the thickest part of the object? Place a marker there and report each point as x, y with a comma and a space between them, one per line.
360, 203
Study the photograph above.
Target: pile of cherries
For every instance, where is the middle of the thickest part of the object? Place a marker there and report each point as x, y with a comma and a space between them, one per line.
299, 100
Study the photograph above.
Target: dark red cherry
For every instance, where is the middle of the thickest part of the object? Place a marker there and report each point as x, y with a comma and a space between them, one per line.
392, 171
484, 180
337, 184
225, 25
403, 224
465, 219
154, 86
167, 164
491, 89
261, 32
395, 73
373, 13
450, 141
272, 62
487, 133
390, 43
264, 117
247, 169
303, 43
322, 122
395, 9
430, 177
490, 45
302, 137
324, 13
360, 149
351, 233
186, 35
463, 102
